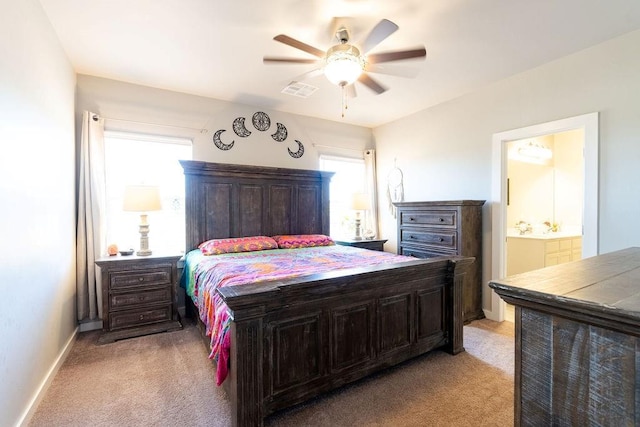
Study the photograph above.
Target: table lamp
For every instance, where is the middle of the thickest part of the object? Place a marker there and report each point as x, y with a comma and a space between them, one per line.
359, 202
143, 199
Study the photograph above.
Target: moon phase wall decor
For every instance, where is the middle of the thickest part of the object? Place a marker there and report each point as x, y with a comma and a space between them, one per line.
221, 145
240, 129
299, 153
281, 133
261, 122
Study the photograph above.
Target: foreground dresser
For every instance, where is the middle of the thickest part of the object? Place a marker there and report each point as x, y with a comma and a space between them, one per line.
138, 295
577, 360
430, 229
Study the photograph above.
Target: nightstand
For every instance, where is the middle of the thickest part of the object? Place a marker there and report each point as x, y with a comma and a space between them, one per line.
374, 245
138, 295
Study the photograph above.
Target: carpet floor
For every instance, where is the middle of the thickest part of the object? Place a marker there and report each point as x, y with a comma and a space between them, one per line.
167, 380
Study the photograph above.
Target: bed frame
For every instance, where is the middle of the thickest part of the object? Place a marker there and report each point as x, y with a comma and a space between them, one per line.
295, 339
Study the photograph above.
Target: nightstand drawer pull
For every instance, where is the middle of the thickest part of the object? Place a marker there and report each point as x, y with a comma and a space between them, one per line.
441, 219
142, 317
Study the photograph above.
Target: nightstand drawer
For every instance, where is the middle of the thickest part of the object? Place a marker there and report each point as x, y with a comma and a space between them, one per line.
429, 218
445, 239
154, 296
126, 319
127, 279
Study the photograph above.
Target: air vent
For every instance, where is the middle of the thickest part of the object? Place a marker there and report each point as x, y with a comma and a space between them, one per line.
299, 89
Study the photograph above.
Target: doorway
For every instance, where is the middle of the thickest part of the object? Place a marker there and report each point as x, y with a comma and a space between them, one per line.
589, 124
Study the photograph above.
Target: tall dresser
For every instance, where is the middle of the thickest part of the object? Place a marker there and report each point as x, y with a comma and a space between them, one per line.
454, 227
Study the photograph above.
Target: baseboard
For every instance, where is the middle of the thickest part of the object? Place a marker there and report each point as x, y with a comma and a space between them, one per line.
492, 315
91, 325
46, 382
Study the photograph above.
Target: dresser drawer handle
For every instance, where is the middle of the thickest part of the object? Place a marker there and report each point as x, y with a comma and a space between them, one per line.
142, 317
411, 218
441, 239
140, 279
412, 236
141, 298
441, 219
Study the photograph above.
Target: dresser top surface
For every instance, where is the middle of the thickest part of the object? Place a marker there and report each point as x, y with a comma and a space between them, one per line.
606, 284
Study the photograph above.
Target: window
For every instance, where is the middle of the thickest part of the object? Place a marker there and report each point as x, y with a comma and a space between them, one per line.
349, 178
134, 159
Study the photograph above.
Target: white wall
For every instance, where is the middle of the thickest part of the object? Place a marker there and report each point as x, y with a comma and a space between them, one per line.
37, 218
119, 100
445, 151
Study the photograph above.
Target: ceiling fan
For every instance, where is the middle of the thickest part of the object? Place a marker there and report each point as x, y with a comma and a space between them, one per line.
344, 63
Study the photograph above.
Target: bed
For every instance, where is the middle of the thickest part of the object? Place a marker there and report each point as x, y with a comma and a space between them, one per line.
294, 338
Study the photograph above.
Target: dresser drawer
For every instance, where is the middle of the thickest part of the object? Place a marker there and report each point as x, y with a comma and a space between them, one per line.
445, 239
152, 296
422, 253
129, 318
429, 218
131, 278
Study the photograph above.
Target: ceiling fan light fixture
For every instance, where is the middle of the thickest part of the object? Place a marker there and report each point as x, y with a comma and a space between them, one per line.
343, 64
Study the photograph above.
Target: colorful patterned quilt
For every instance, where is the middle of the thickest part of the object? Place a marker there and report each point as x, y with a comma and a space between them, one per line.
205, 274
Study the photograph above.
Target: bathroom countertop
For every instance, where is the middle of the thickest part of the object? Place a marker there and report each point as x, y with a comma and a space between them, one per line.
547, 236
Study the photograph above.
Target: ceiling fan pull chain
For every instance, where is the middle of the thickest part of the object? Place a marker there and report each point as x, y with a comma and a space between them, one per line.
344, 99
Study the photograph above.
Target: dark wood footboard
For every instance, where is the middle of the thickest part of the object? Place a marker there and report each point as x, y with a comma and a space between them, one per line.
293, 340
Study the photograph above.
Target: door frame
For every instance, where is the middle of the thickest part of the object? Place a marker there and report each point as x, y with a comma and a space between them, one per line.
587, 122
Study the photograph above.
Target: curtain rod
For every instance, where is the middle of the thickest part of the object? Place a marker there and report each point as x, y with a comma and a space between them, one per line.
340, 148
202, 130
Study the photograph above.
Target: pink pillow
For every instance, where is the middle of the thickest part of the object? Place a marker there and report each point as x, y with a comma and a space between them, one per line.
303, 241
235, 245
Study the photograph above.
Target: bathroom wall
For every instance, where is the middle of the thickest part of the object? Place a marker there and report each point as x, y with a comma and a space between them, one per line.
549, 190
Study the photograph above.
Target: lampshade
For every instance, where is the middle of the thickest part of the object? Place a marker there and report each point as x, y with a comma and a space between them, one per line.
141, 198
360, 202
344, 65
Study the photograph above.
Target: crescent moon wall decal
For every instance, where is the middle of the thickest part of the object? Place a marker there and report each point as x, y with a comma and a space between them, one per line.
261, 121
221, 145
239, 128
281, 133
299, 153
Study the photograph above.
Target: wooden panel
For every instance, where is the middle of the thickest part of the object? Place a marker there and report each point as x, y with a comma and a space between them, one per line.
351, 335
281, 209
569, 392
536, 369
430, 312
296, 346
250, 211
124, 319
217, 205
614, 364
309, 212
394, 322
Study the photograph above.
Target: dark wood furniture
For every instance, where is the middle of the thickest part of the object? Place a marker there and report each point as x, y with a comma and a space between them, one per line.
138, 296
372, 244
437, 228
294, 339
577, 357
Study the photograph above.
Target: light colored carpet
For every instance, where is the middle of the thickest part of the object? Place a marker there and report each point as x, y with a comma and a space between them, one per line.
167, 380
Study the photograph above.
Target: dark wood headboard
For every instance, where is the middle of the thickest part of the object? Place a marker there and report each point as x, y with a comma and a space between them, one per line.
224, 200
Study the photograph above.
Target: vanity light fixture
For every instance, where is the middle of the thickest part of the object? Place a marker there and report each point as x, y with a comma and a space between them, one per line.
535, 150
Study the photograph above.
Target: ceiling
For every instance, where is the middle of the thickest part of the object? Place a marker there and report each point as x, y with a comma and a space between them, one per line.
214, 48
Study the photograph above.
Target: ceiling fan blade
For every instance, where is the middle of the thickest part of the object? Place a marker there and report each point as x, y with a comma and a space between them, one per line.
371, 83
390, 70
380, 32
309, 75
299, 45
376, 58
289, 60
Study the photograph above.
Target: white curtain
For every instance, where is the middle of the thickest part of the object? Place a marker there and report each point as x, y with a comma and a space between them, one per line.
371, 216
91, 237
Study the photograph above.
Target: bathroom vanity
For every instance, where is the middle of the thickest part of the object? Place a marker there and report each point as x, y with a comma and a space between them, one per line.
529, 252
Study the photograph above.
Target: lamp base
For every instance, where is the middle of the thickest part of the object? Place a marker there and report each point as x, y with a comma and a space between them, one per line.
144, 252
